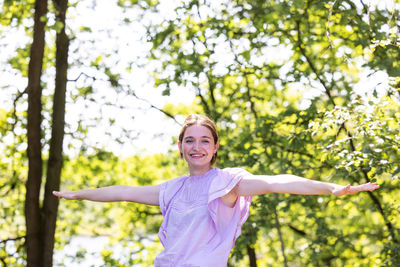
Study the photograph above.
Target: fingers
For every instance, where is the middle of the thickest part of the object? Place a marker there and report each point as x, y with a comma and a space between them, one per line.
367, 187
58, 194
65, 194
372, 186
350, 190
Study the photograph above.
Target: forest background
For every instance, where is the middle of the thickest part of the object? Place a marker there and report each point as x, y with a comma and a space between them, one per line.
303, 87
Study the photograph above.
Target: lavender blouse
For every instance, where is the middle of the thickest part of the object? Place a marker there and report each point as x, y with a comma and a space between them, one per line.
199, 230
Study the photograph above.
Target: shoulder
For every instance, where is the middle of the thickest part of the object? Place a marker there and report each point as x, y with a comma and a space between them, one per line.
172, 184
176, 180
225, 180
168, 190
235, 172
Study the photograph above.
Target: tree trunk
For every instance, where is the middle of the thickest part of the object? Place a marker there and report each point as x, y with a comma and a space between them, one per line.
32, 206
278, 227
252, 256
55, 162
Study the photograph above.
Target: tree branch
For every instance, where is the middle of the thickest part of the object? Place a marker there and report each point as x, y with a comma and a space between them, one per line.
297, 231
249, 97
4, 241
82, 74
311, 64
343, 127
131, 92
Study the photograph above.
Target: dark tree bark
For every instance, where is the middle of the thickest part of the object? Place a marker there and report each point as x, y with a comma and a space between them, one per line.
32, 206
55, 162
41, 222
251, 252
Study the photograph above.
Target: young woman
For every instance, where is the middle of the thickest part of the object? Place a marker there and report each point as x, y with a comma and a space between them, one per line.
203, 212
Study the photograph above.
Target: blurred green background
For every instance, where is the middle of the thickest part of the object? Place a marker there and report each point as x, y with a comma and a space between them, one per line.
309, 88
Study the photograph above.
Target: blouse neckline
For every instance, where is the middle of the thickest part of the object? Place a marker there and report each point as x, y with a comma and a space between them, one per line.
209, 172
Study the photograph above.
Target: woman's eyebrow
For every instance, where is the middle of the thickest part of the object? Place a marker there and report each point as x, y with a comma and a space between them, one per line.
192, 137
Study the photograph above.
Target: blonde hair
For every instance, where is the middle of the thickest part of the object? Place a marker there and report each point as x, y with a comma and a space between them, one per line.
196, 119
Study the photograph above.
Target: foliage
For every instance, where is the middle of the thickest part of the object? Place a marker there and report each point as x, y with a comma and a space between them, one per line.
282, 79
291, 85
130, 224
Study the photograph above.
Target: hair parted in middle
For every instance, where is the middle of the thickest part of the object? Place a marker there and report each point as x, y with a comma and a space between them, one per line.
197, 119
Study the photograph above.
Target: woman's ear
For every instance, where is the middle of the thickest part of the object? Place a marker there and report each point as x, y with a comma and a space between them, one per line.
180, 148
216, 147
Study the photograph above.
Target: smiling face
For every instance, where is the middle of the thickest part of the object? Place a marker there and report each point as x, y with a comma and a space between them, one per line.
198, 148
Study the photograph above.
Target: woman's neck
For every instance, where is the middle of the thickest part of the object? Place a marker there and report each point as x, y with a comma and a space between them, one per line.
197, 171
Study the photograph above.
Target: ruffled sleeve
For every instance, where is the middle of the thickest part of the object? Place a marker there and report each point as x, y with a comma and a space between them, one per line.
228, 220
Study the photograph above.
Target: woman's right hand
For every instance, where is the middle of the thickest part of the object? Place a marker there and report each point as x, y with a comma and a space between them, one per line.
70, 195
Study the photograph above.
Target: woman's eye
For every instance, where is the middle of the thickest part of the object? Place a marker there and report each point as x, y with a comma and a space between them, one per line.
189, 141
206, 141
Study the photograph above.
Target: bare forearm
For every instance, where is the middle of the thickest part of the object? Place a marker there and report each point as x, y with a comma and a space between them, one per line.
284, 183
292, 184
139, 194
103, 194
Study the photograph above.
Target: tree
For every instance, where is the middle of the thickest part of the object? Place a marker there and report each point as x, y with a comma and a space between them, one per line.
41, 219
280, 78
41, 216
55, 161
132, 226
33, 213
45, 135
278, 53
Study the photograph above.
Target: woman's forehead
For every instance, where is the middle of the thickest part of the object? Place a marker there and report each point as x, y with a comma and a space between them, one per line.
198, 131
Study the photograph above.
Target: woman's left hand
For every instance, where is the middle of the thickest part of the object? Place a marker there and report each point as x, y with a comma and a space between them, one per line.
351, 190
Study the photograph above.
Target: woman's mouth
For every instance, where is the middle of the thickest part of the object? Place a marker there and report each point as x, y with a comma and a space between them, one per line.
197, 155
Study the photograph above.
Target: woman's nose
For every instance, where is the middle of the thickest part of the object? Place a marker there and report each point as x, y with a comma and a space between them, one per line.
196, 145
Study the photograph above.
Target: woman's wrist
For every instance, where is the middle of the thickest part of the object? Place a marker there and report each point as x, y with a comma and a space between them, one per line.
335, 188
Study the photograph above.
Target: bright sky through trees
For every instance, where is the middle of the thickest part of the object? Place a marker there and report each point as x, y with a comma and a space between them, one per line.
110, 35
115, 88
104, 20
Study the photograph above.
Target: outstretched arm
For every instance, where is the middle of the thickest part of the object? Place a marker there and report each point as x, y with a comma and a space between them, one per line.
261, 184
139, 194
